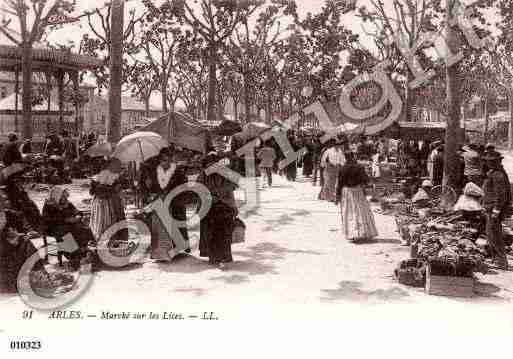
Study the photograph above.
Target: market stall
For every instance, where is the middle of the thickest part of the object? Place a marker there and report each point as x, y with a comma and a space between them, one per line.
448, 247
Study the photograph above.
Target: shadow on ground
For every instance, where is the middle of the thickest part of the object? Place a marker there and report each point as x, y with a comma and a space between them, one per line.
350, 290
274, 225
232, 279
271, 251
485, 293
378, 240
258, 254
184, 263
197, 292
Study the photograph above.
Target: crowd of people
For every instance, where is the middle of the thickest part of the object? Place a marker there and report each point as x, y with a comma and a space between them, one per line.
336, 165
58, 159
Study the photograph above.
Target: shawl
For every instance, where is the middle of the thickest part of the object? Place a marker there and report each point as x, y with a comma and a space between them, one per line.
56, 194
164, 176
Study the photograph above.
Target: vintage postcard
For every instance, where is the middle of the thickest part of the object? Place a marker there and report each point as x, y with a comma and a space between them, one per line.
286, 176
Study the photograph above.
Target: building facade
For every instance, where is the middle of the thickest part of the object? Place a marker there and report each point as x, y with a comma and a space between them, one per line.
93, 114
133, 114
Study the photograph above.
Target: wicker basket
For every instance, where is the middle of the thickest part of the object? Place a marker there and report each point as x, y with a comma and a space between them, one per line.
411, 273
239, 232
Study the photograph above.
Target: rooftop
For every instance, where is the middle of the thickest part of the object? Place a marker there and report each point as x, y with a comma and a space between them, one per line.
9, 77
46, 58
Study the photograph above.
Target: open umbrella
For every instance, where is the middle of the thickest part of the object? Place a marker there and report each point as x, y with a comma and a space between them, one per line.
139, 147
103, 149
227, 128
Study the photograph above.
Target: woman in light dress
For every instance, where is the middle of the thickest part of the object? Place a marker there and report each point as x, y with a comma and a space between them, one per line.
357, 219
331, 162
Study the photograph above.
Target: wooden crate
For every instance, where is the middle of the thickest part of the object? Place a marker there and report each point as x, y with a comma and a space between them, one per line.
449, 286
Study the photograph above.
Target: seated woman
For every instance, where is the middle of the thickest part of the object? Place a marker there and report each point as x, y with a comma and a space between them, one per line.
422, 198
61, 218
15, 246
107, 206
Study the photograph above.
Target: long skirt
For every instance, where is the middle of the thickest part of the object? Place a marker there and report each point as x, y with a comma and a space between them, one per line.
291, 171
329, 188
161, 240
104, 213
356, 216
218, 233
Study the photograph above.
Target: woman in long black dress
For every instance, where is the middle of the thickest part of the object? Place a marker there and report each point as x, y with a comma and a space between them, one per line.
169, 176
217, 226
291, 169
308, 158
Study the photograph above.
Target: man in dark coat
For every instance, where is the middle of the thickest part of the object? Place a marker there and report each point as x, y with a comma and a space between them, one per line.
496, 202
438, 167
12, 153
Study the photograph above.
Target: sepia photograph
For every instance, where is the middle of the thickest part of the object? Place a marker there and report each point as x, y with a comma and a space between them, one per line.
291, 178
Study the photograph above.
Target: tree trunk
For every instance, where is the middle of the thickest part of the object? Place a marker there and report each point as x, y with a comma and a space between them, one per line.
26, 96
220, 106
116, 71
487, 119
16, 100
247, 98
212, 85
453, 131
60, 92
147, 106
235, 109
268, 107
510, 129
408, 100
282, 107
163, 91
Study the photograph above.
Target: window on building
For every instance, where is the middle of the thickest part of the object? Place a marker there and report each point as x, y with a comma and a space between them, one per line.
3, 92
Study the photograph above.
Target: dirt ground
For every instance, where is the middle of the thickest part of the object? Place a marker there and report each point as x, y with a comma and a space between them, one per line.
293, 256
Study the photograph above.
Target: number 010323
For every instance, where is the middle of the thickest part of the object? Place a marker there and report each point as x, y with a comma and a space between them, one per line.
25, 345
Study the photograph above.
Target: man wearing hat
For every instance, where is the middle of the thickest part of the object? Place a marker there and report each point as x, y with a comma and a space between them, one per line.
496, 201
